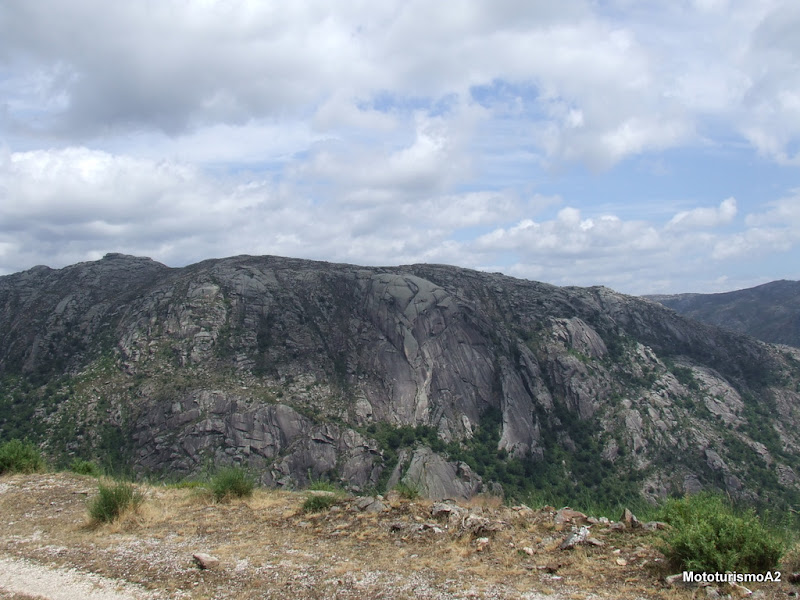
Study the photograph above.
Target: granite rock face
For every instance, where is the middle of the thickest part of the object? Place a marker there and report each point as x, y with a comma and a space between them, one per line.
298, 369
439, 479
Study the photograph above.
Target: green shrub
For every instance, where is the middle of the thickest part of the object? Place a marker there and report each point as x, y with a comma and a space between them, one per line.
409, 491
231, 482
320, 485
318, 503
17, 456
709, 534
113, 501
85, 467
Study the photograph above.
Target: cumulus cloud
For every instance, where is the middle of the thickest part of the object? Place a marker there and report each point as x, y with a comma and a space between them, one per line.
775, 230
705, 217
784, 213
427, 162
393, 132
771, 116
602, 89
176, 68
62, 206
76, 204
640, 254
570, 236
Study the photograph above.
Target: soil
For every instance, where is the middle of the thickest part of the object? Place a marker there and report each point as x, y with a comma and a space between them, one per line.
268, 547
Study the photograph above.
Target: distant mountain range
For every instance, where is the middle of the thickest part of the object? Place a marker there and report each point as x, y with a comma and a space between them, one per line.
769, 312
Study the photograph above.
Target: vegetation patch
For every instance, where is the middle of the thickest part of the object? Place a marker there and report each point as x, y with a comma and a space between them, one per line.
321, 485
23, 404
17, 456
576, 478
114, 500
684, 375
186, 484
408, 491
710, 534
392, 439
85, 467
318, 503
232, 482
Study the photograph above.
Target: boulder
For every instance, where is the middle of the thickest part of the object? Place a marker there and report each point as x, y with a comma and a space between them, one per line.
205, 561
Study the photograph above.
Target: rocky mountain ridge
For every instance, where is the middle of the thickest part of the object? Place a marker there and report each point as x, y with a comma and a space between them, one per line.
449, 380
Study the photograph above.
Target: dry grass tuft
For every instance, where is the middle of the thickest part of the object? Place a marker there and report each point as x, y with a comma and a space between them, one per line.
790, 563
485, 501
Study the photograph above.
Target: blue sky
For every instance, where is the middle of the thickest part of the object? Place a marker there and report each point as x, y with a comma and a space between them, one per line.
652, 147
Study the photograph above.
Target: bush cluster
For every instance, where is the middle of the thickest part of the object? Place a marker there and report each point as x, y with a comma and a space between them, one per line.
231, 482
112, 501
318, 503
17, 456
85, 467
709, 534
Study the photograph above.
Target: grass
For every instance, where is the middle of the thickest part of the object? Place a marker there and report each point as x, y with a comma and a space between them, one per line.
791, 559
270, 548
330, 495
324, 486
112, 501
318, 503
186, 484
408, 491
710, 534
231, 482
17, 456
85, 467
594, 508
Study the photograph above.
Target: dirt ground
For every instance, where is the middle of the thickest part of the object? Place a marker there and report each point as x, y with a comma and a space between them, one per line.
268, 547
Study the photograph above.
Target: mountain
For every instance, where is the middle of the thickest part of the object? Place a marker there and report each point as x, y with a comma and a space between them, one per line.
445, 379
769, 312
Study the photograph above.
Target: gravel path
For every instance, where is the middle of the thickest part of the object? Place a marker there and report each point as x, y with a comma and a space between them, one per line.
24, 577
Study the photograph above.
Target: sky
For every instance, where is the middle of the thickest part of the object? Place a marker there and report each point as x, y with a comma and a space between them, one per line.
648, 146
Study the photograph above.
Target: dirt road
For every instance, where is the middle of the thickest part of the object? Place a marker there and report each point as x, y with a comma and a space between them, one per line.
24, 578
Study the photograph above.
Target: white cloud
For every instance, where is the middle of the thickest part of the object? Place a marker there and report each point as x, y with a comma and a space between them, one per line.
177, 68
775, 230
393, 132
430, 161
784, 213
569, 236
76, 204
59, 206
705, 217
605, 85
753, 241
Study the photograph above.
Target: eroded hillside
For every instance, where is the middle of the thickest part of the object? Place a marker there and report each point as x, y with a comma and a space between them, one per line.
450, 380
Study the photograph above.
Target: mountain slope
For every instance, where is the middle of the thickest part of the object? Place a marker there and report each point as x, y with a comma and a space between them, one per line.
450, 380
769, 312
